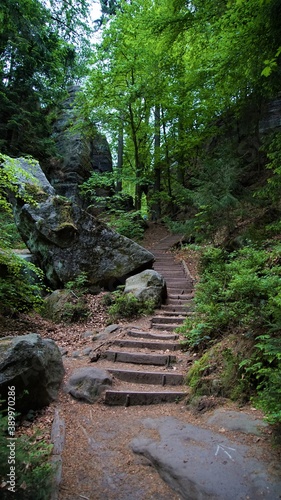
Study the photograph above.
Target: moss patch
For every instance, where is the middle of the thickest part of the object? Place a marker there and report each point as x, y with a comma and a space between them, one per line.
217, 372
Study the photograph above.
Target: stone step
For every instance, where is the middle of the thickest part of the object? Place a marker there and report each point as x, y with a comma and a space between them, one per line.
147, 344
140, 358
173, 312
171, 274
181, 284
131, 398
169, 267
167, 320
141, 377
166, 262
184, 308
179, 288
148, 335
177, 292
182, 297
166, 327
165, 257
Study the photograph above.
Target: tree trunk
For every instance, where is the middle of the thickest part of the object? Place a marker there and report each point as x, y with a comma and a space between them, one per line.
120, 155
156, 207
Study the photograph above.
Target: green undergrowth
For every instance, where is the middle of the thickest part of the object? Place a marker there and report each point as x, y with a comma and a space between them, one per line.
125, 305
21, 284
217, 372
116, 210
129, 224
69, 305
30, 457
239, 294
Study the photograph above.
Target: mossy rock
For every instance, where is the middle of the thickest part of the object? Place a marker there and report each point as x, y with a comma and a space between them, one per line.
61, 306
217, 372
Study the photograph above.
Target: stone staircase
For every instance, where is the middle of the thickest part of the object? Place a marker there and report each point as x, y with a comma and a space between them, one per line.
145, 364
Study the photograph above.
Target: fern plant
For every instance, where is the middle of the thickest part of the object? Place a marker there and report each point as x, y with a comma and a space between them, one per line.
34, 472
241, 292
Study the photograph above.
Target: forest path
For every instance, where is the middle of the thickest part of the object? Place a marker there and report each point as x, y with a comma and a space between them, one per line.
162, 451
147, 363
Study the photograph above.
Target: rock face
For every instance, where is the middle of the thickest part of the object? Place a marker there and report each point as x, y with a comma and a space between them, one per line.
66, 240
88, 383
202, 464
34, 367
271, 117
147, 285
82, 152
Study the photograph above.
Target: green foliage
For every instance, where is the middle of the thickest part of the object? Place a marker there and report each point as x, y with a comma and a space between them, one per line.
10, 236
129, 224
214, 194
34, 471
199, 65
270, 193
75, 310
241, 292
178, 227
97, 180
78, 284
9, 182
21, 284
39, 46
216, 373
114, 209
126, 305
264, 367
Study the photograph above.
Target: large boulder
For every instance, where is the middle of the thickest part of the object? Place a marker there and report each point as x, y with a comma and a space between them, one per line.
66, 240
88, 383
147, 285
34, 367
81, 151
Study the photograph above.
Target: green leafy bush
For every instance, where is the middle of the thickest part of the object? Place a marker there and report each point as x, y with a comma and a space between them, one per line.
115, 210
264, 368
240, 292
216, 373
34, 471
96, 181
126, 305
10, 236
129, 224
21, 284
78, 285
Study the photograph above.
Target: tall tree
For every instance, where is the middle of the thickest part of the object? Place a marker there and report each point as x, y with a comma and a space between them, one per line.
38, 59
197, 62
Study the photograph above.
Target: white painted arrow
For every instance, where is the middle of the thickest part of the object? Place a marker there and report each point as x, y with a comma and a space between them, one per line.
224, 449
